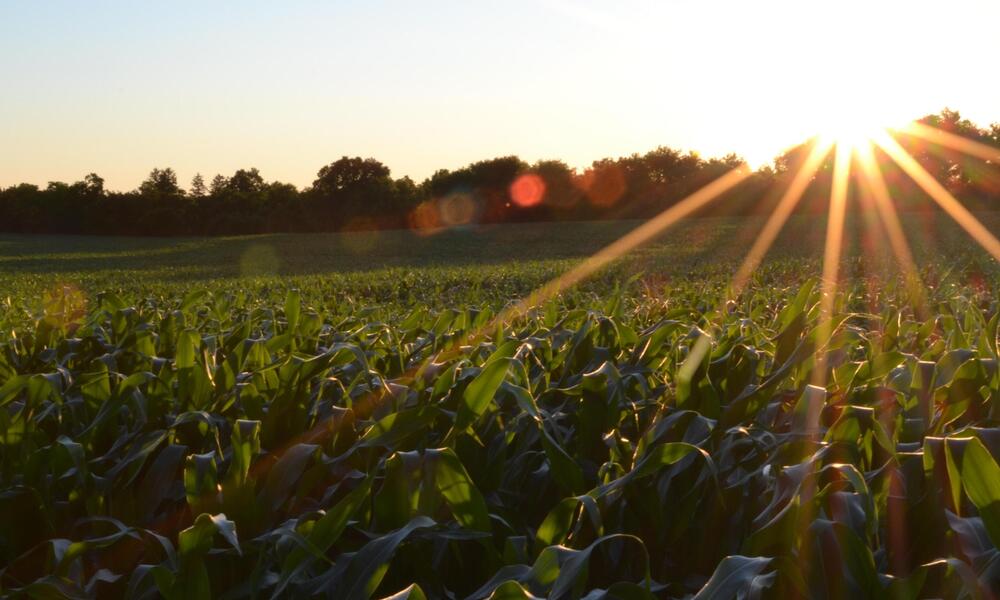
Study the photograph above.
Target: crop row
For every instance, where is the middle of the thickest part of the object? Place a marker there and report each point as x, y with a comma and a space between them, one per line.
210, 446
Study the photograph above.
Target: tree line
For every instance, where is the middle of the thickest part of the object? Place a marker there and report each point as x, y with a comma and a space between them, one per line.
360, 193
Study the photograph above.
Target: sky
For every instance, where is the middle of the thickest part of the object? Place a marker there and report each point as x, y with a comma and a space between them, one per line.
118, 88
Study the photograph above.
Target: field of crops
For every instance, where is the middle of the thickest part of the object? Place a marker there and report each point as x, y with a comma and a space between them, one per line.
181, 421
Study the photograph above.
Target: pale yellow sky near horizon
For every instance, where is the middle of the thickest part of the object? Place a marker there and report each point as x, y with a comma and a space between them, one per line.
287, 87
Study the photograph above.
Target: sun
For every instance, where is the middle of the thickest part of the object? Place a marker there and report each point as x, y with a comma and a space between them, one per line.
841, 101
852, 130
852, 85
850, 111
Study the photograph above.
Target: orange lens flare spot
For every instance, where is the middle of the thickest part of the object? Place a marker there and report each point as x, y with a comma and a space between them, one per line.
425, 218
527, 190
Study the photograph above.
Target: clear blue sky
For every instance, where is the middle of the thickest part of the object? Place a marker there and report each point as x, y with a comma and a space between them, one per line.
120, 87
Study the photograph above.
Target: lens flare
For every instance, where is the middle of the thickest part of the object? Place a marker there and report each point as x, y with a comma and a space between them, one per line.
425, 219
527, 190
457, 209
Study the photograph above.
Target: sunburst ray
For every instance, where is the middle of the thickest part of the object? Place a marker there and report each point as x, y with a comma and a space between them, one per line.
951, 140
630, 241
889, 219
638, 236
832, 254
939, 194
789, 200
762, 243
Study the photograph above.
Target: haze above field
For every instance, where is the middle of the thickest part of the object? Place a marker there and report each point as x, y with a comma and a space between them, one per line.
118, 88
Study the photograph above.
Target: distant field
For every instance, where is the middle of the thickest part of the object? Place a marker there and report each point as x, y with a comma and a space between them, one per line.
352, 415
180, 259
516, 257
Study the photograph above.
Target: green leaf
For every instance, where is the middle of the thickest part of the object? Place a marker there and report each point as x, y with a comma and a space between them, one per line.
324, 533
197, 540
364, 570
564, 469
455, 485
293, 307
480, 392
200, 481
284, 475
511, 590
412, 592
981, 481
574, 567
191, 581
733, 577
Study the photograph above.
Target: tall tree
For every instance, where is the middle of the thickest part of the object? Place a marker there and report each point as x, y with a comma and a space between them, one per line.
350, 174
561, 191
948, 166
218, 185
993, 134
93, 184
161, 182
198, 188
246, 181
355, 188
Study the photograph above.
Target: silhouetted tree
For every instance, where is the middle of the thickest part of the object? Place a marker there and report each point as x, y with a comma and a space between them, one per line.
352, 188
485, 183
94, 184
22, 209
947, 165
349, 174
163, 209
563, 195
246, 181
993, 134
218, 184
355, 192
198, 189
162, 182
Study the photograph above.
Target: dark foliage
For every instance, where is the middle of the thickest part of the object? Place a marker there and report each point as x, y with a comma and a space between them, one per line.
360, 193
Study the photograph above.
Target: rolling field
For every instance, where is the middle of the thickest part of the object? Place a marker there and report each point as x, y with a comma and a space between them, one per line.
357, 415
510, 260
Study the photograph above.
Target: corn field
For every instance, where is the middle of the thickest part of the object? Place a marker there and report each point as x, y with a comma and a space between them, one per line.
213, 445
